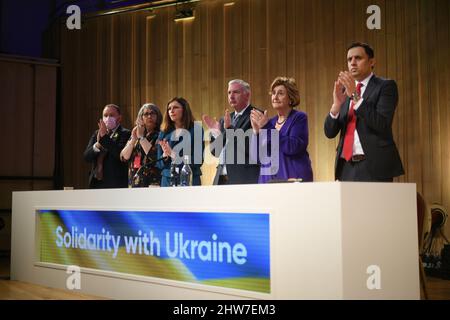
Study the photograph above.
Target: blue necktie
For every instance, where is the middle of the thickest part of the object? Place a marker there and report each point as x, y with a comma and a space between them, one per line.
235, 120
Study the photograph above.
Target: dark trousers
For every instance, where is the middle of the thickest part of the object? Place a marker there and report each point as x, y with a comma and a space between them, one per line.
356, 171
223, 180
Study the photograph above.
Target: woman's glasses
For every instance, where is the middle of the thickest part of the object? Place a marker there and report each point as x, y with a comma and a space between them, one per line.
149, 114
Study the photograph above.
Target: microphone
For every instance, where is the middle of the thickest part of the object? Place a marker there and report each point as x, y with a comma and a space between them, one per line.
146, 166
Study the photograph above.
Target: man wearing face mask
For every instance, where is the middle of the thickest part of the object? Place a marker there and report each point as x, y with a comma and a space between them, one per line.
103, 151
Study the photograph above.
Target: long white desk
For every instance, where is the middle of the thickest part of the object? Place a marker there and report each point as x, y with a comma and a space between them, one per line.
323, 241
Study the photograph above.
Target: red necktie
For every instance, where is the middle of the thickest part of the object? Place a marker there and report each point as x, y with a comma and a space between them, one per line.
351, 125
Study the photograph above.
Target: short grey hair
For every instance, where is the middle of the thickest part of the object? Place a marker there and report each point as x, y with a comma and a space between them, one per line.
243, 84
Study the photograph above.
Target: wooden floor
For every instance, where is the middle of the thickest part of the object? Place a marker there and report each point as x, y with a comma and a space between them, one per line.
16, 290
438, 289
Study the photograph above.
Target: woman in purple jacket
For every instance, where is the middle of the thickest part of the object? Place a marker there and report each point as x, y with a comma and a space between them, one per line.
290, 138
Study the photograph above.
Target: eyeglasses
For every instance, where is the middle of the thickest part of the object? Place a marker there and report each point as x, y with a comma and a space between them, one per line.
149, 114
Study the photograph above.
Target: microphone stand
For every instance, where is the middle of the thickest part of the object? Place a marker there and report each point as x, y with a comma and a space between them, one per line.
146, 166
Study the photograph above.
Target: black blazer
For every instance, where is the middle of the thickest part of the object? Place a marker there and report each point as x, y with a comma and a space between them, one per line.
374, 126
246, 171
115, 172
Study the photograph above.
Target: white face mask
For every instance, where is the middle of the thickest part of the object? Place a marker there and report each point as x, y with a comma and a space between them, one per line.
110, 122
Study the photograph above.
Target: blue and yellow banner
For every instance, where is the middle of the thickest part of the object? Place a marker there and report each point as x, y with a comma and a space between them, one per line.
220, 249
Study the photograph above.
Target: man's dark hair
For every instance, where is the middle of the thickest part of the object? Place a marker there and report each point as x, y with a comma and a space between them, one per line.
368, 49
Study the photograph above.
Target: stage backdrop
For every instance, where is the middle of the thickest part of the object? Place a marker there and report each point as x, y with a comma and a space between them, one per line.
28, 113
139, 57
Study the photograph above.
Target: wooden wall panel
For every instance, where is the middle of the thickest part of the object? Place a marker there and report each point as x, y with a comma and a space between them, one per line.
7, 187
142, 57
27, 110
44, 121
27, 91
17, 108
443, 87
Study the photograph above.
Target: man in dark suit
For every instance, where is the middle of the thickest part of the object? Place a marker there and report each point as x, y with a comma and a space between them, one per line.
230, 138
362, 112
103, 151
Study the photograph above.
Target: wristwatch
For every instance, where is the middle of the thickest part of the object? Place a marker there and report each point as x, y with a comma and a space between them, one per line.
141, 138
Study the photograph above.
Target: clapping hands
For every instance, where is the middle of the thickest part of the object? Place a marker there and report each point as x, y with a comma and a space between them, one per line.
102, 130
258, 120
344, 87
212, 124
167, 150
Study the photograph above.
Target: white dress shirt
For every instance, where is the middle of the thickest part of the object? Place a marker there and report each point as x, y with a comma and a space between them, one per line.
222, 153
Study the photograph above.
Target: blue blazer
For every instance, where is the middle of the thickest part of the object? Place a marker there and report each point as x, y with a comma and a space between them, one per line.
196, 162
